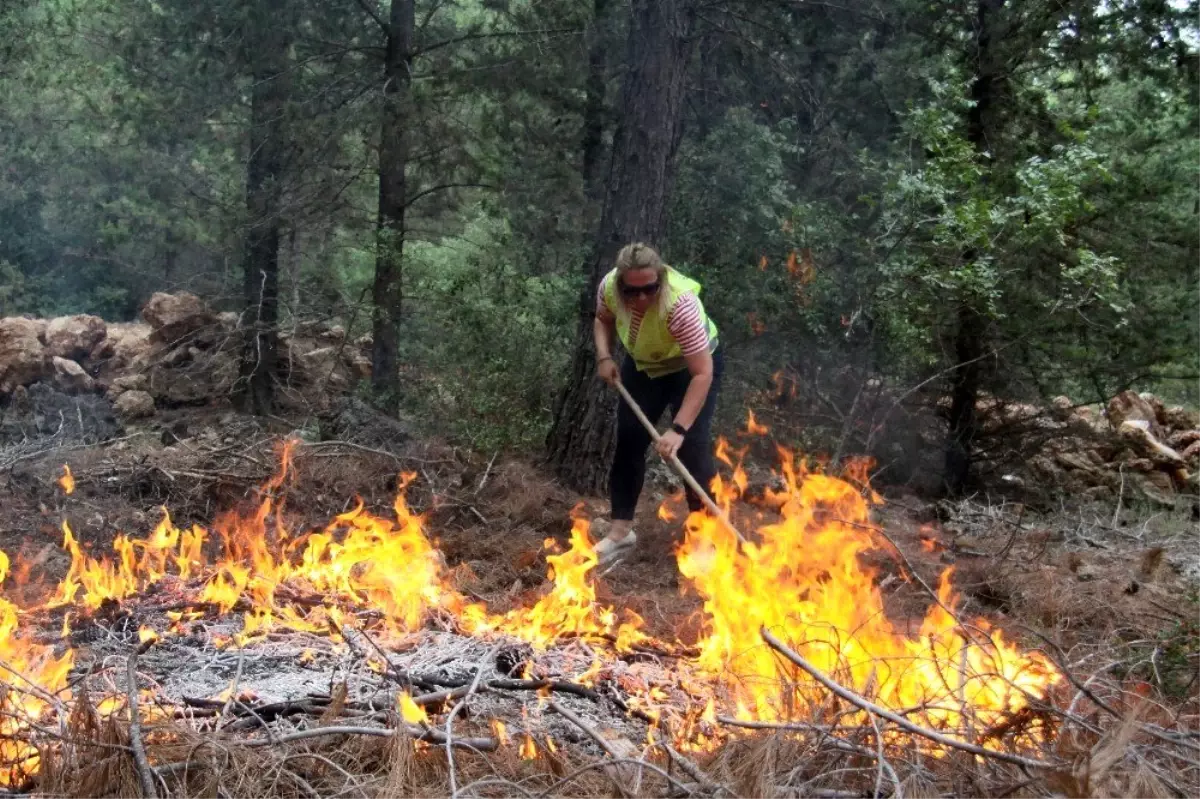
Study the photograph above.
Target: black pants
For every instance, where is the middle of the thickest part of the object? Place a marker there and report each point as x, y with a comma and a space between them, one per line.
655, 394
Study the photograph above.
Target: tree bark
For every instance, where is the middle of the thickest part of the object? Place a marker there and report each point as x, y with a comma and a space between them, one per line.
969, 344
593, 109
264, 198
387, 290
581, 441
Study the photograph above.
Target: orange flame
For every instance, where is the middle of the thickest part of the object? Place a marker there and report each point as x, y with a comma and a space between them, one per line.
67, 481
804, 581
753, 428
31, 676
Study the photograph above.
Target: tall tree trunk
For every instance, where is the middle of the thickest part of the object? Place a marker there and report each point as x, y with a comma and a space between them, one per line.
264, 197
580, 443
387, 291
593, 109
969, 345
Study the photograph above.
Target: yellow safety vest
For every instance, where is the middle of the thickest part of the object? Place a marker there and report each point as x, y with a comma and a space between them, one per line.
656, 352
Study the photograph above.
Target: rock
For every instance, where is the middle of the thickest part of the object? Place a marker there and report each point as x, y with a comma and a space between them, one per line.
351, 419
1098, 493
228, 320
1078, 460
198, 380
359, 364
70, 378
1157, 487
174, 433
1182, 439
23, 358
1156, 405
74, 337
127, 345
322, 366
335, 333
131, 382
1177, 418
1191, 455
177, 357
1139, 465
1128, 406
44, 411
1061, 407
134, 404
174, 316
1134, 432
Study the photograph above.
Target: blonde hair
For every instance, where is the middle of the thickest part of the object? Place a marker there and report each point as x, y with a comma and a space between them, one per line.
642, 256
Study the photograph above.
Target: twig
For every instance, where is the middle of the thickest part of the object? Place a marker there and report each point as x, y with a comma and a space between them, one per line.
352, 445
854, 699
693, 770
570, 716
233, 689
486, 472
149, 790
488, 658
418, 733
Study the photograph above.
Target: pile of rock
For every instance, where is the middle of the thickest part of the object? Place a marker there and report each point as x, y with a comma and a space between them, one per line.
183, 353
1135, 447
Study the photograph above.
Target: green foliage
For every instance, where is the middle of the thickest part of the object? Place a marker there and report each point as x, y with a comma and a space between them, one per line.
488, 340
958, 228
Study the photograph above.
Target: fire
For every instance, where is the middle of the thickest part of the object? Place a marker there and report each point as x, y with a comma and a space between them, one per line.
800, 577
570, 607
753, 428
67, 481
31, 676
803, 580
410, 711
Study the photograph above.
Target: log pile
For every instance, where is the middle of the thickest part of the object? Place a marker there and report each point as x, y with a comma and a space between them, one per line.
1138, 448
182, 353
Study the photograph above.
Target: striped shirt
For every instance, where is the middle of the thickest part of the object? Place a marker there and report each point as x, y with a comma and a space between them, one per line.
684, 322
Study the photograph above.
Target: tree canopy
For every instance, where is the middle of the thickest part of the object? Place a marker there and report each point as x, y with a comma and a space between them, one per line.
912, 202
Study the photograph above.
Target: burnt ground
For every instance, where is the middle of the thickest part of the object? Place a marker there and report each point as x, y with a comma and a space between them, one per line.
1087, 579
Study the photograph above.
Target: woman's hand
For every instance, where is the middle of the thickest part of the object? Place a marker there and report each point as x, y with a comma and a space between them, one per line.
668, 444
607, 371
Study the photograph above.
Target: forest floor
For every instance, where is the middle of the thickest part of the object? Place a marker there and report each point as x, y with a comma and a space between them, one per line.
1110, 594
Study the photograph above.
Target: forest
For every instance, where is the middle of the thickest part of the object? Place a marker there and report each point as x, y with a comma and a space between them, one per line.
271, 263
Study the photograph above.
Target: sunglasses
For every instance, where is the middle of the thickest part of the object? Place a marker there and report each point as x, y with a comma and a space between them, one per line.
649, 290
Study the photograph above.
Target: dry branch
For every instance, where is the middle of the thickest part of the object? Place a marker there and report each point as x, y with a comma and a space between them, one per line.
145, 773
864, 704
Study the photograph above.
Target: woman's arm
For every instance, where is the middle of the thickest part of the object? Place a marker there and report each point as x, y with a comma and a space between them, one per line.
603, 333
700, 366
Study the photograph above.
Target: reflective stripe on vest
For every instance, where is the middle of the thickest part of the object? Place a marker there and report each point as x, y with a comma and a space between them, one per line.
656, 352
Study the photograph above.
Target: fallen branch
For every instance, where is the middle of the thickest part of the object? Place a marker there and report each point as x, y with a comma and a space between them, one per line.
488, 658
570, 716
864, 704
421, 734
145, 774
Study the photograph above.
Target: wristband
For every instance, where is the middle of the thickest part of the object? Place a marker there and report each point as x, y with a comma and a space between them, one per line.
678, 428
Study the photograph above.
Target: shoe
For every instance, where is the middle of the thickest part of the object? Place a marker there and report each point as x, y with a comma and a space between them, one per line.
610, 553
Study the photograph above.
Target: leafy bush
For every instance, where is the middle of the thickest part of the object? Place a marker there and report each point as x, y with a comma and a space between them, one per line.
492, 340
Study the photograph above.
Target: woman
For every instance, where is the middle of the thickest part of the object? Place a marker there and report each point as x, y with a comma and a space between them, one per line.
673, 362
